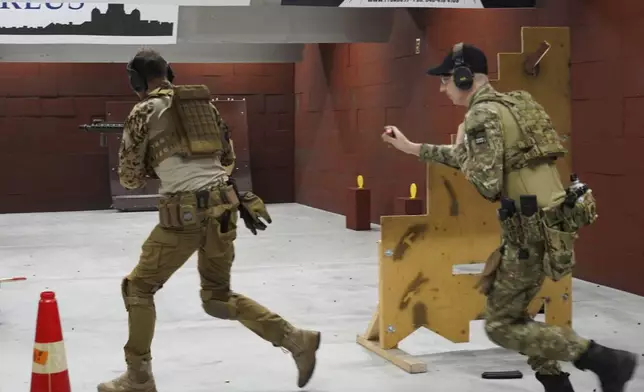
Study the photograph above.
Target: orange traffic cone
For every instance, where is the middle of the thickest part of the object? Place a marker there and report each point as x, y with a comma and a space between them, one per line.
49, 368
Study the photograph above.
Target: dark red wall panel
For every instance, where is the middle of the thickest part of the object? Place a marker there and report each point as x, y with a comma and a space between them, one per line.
346, 93
50, 165
315, 126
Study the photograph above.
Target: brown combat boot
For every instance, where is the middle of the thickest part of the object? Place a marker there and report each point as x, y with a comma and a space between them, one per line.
555, 382
137, 378
614, 368
303, 345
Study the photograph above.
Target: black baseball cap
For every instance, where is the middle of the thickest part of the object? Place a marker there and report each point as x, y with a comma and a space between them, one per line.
473, 57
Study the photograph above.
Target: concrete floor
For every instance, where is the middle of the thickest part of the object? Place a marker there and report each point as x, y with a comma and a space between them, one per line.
306, 267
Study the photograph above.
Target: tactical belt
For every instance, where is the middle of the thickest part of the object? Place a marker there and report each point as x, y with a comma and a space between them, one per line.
181, 209
221, 192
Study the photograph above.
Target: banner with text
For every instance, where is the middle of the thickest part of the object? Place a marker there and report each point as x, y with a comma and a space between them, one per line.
206, 3
415, 3
88, 23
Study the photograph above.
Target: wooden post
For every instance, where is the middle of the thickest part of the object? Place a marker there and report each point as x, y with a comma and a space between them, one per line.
358, 214
417, 254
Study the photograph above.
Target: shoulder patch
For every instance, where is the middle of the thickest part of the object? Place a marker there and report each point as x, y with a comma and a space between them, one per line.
479, 136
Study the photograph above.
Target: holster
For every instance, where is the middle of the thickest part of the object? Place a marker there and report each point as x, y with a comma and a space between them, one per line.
486, 281
582, 213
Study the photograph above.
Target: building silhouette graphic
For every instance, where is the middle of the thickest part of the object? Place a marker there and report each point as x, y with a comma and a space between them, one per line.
114, 22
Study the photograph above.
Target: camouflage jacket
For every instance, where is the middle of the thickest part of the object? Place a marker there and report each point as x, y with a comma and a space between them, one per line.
132, 168
480, 156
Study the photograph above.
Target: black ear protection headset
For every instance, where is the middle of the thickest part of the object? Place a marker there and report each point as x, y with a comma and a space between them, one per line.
138, 82
463, 76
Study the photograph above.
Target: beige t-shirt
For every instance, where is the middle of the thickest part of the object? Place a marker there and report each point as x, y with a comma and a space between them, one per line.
179, 175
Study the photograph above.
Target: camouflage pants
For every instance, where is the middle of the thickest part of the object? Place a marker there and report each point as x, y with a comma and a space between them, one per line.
508, 323
167, 249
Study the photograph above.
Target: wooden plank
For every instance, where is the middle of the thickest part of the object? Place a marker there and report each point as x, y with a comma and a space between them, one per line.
396, 356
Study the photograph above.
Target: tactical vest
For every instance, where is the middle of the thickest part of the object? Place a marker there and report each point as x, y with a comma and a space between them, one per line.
531, 148
539, 139
194, 132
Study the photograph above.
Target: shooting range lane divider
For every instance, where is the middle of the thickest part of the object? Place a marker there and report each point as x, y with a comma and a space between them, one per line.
418, 285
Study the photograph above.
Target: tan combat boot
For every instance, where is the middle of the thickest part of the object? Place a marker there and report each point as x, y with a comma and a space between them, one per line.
302, 344
137, 378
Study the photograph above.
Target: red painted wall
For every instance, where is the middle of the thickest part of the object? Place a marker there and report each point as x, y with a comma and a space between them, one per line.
50, 165
345, 94
608, 136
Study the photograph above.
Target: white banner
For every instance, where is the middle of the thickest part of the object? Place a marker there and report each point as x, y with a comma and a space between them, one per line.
88, 23
214, 3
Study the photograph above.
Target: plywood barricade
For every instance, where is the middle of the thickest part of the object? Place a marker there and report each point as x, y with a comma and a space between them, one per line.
417, 286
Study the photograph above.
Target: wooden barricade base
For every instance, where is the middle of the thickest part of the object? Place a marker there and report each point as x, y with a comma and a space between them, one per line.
418, 285
398, 357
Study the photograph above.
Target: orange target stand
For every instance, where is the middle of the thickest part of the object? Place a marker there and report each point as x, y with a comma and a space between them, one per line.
418, 286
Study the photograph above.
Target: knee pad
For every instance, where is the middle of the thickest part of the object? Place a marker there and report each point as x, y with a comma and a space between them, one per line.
221, 308
132, 295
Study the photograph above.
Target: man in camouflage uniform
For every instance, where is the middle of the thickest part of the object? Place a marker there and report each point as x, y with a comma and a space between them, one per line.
507, 147
175, 134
